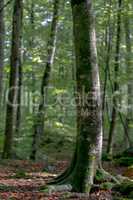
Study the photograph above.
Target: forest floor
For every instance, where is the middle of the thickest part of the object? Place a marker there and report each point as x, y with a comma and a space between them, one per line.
24, 180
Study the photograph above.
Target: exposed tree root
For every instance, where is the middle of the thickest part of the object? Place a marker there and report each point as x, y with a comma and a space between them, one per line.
60, 178
108, 176
64, 176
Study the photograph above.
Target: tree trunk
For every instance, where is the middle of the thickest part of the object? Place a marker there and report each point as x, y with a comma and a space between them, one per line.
18, 108
116, 86
13, 83
109, 36
39, 121
2, 33
129, 117
88, 150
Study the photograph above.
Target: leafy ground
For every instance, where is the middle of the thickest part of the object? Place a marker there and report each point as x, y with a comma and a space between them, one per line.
24, 180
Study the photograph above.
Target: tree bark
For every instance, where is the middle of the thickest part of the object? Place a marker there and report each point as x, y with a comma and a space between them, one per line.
129, 117
88, 150
39, 121
2, 33
109, 36
13, 82
18, 108
115, 85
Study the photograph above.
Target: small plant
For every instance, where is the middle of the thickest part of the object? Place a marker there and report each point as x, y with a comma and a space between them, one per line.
106, 186
20, 174
5, 188
100, 177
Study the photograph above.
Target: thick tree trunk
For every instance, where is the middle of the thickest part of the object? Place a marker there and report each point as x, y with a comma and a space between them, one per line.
89, 112
2, 32
116, 86
13, 83
89, 142
39, 123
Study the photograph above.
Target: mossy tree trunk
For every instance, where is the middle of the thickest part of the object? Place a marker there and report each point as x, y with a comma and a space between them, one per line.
88, 150
51, 47
13, 82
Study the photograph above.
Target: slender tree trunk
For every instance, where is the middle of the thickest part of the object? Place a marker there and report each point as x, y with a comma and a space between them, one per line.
32, 45
116, 86
18, 108
109, 36
88, 150
2, 32
129, 117
13, 83
39, 123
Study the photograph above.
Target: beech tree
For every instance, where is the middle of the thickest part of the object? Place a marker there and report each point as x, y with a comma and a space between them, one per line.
15, 62
129, 117
115, 84
51, 47
88, 149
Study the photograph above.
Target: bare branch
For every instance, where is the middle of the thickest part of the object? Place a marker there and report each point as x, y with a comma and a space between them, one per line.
5, 5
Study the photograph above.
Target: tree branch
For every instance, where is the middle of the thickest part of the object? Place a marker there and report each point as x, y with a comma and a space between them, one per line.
5, 5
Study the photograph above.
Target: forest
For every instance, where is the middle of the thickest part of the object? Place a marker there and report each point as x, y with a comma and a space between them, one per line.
66, 100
